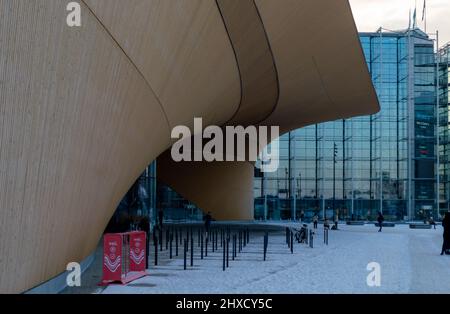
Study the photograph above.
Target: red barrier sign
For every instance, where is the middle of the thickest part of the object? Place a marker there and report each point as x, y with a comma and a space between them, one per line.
112, 257
123, 257
137, 251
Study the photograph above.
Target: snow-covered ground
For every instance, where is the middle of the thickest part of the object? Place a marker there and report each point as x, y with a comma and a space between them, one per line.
409, 260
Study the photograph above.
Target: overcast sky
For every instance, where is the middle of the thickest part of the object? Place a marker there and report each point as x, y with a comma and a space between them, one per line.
393, 14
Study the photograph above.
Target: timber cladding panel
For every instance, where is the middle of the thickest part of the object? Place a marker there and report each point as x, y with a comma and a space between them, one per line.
84, 110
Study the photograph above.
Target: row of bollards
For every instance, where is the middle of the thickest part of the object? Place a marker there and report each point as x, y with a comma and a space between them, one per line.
237, 243
177, 236
234, 239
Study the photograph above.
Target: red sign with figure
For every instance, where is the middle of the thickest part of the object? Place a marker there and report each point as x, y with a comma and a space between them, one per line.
137, 251
112, 257
124, 257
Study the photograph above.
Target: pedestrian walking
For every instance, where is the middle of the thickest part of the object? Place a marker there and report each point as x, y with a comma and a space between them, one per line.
207, 219
315, 221
380, 220
336, 222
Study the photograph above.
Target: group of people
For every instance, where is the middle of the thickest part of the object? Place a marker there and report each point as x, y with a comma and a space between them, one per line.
445, 225
206, 218
326, 222
380, 219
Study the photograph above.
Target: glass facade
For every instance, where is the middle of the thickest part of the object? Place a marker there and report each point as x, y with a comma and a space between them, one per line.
145, 198
140, 201
352, 168
357, 167
444, 125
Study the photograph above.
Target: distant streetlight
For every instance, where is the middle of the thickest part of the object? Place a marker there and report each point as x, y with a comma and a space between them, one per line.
286, 182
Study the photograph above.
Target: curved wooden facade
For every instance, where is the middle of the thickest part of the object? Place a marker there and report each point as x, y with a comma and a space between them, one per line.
84, 110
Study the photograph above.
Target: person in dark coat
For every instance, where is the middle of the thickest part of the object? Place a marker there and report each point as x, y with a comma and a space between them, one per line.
446, 226
208, 219
380, 220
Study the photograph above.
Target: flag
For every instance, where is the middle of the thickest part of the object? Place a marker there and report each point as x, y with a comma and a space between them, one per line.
424, 9
409, 25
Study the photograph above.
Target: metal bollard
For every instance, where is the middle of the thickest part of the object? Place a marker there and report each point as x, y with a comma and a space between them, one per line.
201, 246
198, 236
248, 235
176, 243
185, 253
160, 239
217, 247
292, 242
287, 236
167, 238
206, 246
170, 244
192, 251
239, 241
156, 250
311, 239
265, 244
147, 250
223, 245
228, 251
233, 247
212, 241
187, 237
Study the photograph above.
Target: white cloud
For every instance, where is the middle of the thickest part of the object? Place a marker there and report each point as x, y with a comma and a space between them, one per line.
394, 14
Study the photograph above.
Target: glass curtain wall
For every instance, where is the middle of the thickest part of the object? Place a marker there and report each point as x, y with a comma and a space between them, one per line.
350, 168
357, 167
444, 125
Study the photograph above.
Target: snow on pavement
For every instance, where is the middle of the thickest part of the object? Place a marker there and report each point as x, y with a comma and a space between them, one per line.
409, 260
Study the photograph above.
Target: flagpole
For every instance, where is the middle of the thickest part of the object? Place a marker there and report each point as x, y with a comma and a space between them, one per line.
425, 14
